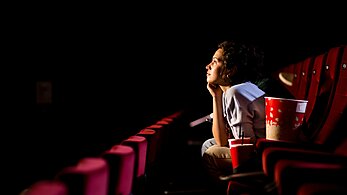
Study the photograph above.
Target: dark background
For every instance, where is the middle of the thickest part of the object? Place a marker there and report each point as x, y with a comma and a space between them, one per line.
116, 70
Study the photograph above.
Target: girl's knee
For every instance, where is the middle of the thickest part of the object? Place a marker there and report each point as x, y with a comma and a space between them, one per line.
206, 145
218, 152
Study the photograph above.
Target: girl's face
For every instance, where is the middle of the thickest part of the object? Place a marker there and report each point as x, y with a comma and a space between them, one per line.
216, 71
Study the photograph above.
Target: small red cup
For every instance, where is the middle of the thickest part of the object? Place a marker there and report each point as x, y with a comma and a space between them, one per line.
240, 153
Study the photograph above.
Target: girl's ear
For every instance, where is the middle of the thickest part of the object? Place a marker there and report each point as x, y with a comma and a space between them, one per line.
231, 72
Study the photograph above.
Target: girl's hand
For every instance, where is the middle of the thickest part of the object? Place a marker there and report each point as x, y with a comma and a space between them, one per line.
214, 90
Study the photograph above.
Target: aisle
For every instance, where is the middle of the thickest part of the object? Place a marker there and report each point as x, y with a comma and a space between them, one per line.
182, 171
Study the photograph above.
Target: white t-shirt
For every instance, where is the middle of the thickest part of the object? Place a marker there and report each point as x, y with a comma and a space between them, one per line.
244, 110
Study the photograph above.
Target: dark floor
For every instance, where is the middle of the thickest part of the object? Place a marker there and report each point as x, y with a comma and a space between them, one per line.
182, 171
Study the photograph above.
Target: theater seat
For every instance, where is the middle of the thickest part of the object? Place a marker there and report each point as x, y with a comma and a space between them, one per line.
152, 147
139, 145
90, 176
121, 162
321, 188
291, 174
46, 187
272, 175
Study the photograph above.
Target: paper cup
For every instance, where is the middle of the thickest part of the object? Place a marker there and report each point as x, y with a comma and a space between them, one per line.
284, 117
240, 154
246, 140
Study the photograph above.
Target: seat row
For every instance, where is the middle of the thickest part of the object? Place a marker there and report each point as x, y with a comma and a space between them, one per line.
126, 168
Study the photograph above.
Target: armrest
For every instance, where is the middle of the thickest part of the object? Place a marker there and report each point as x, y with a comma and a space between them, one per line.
246, 183
263, 143
291, 174
272, 155
243, 176
321, 188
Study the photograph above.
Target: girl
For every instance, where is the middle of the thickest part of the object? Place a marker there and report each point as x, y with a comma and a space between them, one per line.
238, 102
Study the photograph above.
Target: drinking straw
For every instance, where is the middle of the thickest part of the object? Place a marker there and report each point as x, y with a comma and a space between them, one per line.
242, 136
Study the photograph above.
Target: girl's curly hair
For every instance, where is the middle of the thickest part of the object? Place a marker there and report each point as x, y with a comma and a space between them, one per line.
248, 59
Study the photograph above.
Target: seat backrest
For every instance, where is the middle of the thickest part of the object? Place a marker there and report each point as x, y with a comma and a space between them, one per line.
314, 84
321, 188
296, 80
304, 77
139, 144
333, 93
89, 176
290, 174
162, 137
152, 141
121, 161
47, 187
341, 149
321, 92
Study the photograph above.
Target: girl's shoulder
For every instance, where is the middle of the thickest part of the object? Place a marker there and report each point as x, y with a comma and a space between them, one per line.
245, 90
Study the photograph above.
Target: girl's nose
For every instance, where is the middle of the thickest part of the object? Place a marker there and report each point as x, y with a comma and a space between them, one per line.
208, 66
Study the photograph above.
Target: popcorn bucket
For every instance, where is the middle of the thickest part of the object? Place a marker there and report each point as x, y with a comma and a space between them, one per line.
284, 117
